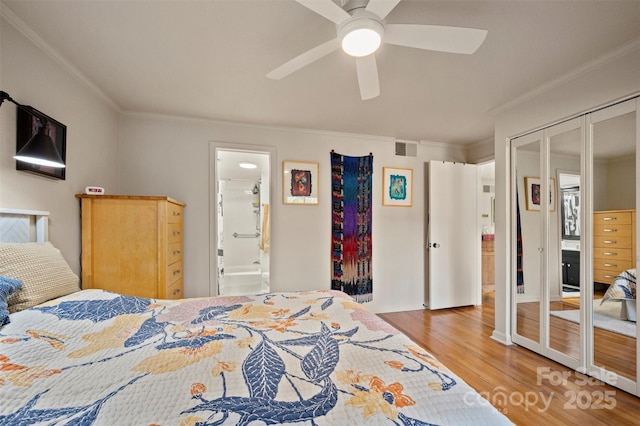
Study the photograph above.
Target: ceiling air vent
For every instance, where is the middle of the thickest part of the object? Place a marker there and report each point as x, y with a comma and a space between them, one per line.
404, 149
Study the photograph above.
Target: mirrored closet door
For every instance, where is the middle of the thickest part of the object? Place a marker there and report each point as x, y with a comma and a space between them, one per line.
613, 134
547, 252
574, 249
565, 293
527, 247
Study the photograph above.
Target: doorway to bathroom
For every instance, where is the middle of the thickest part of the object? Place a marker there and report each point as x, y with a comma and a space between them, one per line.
242, 218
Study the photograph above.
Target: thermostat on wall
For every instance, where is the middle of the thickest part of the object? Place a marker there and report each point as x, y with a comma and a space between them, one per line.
94, 190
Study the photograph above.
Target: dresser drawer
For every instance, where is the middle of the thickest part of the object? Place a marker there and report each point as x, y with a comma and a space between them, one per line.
612, 264
612, 229
175, 233
174, 213
612, 254
605, 277
174, 271
608, 241
174, 252
175, 290
612, 218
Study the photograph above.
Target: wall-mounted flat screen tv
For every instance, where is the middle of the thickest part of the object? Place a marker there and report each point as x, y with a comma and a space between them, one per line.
28, 121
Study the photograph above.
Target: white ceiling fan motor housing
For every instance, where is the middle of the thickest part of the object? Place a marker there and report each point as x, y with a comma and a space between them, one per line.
362, 34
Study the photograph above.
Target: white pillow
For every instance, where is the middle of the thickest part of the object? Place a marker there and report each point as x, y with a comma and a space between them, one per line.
43, 271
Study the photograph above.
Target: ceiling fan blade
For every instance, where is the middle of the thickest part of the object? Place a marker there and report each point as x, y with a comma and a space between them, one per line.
435, 37
368, 77
327, 9
382, 7
305, 59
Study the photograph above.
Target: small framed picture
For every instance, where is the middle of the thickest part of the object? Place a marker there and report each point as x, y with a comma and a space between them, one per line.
299, 182
532, 187
397, 187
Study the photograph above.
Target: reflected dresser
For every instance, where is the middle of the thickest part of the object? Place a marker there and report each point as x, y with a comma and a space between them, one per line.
614, 244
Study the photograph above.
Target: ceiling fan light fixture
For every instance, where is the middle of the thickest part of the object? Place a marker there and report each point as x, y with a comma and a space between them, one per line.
361, 42
361, 37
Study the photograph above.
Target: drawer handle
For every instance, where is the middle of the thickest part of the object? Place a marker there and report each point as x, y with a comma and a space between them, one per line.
176, 292
176, 232
176, 252
611, 265
176, 213
610, 253
608, 276
177, 272
610, 230
609, 218
610, 242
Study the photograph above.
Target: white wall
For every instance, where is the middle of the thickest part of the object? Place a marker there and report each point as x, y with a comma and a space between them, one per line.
616, 76
621, 184
170, 156
34, 78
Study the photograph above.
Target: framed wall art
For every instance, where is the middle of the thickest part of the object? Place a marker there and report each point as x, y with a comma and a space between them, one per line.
570, 213
28, 123
299, 182
397, 187
532, 189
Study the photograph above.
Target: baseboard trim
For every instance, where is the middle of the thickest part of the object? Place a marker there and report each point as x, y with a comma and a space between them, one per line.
501, 338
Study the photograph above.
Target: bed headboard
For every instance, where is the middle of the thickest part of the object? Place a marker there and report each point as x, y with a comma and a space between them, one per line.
22, 226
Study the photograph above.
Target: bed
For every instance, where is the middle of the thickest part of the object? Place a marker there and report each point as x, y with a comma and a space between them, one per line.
316, 357
623, 290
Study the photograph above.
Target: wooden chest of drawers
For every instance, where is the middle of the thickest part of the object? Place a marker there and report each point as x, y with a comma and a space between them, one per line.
133, 245
614, 248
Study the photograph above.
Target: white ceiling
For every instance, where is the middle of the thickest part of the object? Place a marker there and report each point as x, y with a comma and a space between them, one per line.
208, 59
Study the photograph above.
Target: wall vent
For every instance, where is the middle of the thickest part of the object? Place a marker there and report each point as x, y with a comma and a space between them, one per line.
488, 189
404, 149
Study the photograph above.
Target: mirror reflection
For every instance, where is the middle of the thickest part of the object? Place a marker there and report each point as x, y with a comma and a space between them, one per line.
565, 147
614, 230
579, 255
528, 239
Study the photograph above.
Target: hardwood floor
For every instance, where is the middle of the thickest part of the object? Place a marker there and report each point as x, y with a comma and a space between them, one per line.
535, 390
611, 350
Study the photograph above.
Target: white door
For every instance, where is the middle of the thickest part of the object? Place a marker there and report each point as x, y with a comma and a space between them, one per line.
453, 239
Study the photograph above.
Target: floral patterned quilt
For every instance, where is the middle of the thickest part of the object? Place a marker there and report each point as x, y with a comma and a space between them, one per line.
623, 287
310, 358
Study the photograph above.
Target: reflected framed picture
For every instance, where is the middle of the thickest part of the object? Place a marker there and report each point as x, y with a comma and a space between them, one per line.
299, 182
28, 123
532, 187
570, 213
397, 187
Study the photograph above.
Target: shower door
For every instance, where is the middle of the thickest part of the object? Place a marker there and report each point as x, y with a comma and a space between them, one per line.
241, 217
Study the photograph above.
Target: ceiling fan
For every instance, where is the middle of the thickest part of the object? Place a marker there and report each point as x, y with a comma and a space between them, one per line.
361, 29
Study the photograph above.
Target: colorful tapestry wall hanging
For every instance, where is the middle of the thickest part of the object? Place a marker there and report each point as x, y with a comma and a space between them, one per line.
351, 205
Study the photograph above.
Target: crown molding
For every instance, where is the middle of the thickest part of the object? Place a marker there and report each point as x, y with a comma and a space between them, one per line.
212, 121
572, 75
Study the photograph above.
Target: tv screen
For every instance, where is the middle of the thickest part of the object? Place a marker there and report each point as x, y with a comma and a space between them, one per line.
28, 122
